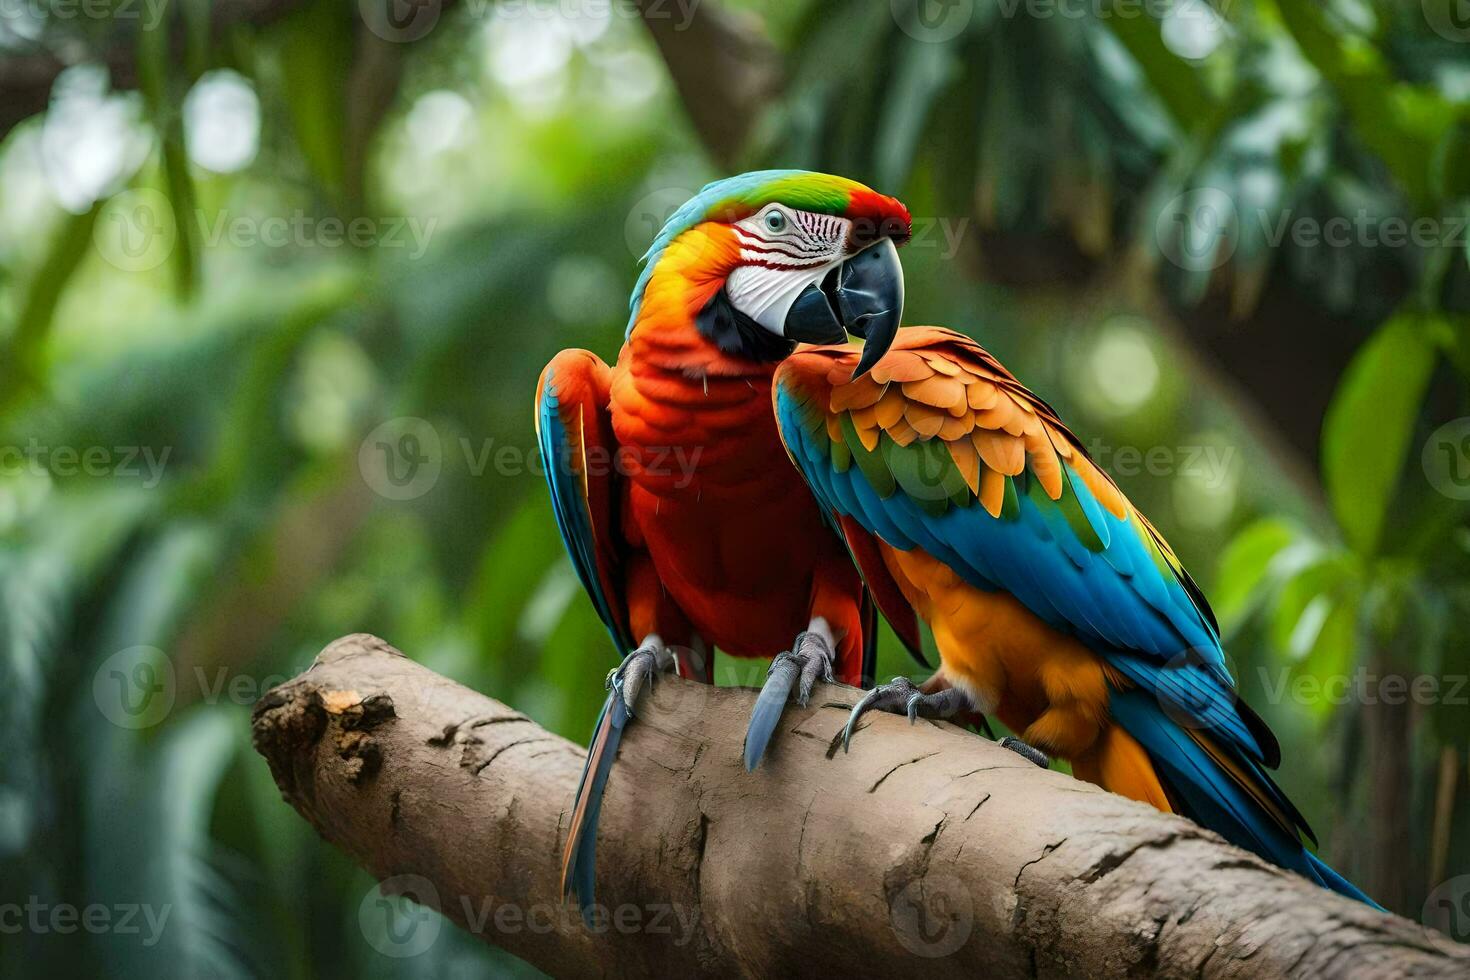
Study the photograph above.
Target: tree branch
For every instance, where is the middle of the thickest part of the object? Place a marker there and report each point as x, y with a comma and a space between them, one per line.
26, 77
925, 846
725, 69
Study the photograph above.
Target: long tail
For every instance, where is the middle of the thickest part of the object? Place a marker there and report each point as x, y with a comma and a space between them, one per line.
1199, 778
579, 859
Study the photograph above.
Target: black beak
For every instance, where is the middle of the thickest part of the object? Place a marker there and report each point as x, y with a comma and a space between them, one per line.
862, 296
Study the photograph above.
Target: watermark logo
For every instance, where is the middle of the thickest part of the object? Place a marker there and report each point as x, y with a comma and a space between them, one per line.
135, 688
1446, 459
22, 15
64, 919
402, 458
397, 917
1199, 229
1447, 913
1450, 19
1213, 466
648, 216
135, 230
1192, 689
1195, 230
933, 916
1363, 687
400, 21
35, 458
932, 21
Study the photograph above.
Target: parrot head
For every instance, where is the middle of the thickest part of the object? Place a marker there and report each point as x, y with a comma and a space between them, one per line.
774, 258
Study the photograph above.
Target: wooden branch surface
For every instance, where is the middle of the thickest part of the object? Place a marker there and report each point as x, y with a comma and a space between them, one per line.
926, 848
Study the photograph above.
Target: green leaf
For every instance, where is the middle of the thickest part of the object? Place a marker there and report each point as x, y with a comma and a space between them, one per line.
1244, 567
1172, 79
1333, 651
1400, 122
924, 70
315, 60
1298, 616
153, 73
1370, 424
20, 370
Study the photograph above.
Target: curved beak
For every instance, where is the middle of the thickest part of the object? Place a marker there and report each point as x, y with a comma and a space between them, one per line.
862, 296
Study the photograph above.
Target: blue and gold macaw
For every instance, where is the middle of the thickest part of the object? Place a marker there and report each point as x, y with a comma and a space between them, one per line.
1055, 605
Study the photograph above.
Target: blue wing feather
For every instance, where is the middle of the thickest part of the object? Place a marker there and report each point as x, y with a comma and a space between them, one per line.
1146, 625
569, 503
562, 438
1123, 596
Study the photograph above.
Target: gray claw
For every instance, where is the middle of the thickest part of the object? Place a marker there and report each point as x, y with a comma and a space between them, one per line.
900, 696
885, 697
808, 659
639, 667
812, 666
1026, 751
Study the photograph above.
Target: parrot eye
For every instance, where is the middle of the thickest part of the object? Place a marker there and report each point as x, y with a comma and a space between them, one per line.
775, 221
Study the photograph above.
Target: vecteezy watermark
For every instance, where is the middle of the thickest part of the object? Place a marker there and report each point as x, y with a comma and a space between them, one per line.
1363, 687
671, 919
396, 918
648, 215
148, 12
1450, 19
402, 459
1446, 459
63, 919
122, 462
1200, 229
404, 21
1447, 913
137, 687
933, 21
400, 21
137, 230
932, 916
1197, 230
937, 21
1211, 465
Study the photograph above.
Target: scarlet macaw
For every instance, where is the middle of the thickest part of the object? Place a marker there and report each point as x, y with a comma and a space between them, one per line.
1055, 605
732, 553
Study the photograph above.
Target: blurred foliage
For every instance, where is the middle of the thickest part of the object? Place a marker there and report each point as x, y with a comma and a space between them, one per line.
180, 297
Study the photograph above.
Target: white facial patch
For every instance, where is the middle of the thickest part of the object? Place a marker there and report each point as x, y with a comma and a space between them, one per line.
782, 252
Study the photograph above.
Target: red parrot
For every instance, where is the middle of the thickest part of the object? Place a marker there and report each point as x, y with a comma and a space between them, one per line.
686, 522
1055, 605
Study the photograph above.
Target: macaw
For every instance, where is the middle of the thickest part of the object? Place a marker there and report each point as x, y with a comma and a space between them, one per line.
1055, 605
685, 521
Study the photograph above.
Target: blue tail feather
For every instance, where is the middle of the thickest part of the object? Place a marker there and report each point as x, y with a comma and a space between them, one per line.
580, 861
1207, 794
1329, 878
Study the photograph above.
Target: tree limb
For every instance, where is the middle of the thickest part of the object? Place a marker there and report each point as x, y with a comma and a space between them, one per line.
725, 69
926, 846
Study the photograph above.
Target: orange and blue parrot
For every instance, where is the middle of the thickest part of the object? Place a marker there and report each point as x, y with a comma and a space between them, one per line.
1055, 605
685, 521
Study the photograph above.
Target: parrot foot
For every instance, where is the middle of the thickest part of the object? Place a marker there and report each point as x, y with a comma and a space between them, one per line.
1026, 751
809, 658
900, 696
641, 666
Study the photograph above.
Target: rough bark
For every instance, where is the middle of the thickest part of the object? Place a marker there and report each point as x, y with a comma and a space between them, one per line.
925, 847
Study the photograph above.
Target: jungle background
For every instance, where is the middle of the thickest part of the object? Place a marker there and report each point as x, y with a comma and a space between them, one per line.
277, 278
